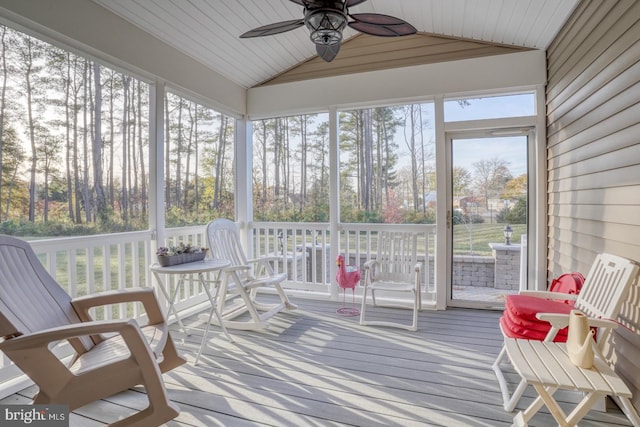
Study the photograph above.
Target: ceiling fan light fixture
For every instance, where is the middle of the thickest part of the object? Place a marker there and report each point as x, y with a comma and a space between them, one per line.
326, 19
325, 26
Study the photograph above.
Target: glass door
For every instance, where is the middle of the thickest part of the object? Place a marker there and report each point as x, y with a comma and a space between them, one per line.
487, 216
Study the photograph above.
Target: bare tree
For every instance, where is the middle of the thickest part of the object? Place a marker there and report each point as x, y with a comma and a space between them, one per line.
220, 155
178, 153
112, 138
14, 157
367, 159
490, 176
75, 83
277, 139
96, 147
132, 176
48, 150
124, 204
188, 149
86, 96
30, 52
461, 181
196, 160
304, 148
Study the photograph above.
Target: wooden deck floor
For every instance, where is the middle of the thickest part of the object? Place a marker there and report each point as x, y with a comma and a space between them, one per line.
315, 368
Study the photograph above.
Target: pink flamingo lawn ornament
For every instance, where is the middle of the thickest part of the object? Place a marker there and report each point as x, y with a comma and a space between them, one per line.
348, 276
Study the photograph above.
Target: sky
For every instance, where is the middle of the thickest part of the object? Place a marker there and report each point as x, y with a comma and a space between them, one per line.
512, 149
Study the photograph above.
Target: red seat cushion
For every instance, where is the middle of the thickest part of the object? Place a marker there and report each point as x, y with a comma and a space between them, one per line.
526, 306
519, 318
538, 325
514, 330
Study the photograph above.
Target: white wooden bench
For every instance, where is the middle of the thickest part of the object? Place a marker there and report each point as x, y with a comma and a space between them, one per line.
546, 366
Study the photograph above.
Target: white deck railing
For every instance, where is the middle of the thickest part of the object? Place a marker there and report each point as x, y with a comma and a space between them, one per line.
307, 256
88, 264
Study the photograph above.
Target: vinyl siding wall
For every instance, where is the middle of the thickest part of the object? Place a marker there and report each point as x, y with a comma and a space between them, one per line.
593, 112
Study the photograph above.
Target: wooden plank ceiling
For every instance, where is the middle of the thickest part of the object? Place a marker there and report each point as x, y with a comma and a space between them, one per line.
367, 53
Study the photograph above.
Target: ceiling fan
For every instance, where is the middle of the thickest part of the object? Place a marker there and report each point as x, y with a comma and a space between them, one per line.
326, 19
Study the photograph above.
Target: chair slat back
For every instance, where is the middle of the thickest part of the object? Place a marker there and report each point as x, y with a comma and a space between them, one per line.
30, 299
606, 286
396, 256
224, 242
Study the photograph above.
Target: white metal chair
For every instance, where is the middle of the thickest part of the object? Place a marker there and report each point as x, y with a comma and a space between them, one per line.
109, 356
605, 289
243, 278
394, 270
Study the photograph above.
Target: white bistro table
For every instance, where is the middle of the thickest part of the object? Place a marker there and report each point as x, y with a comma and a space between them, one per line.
547, 367
199, 268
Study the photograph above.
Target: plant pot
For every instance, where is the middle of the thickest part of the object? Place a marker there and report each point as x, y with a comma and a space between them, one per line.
168, 261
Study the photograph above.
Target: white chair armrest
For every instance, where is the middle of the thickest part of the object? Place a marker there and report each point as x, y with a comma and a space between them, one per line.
236, 268
263, 259
560, 321
370, 264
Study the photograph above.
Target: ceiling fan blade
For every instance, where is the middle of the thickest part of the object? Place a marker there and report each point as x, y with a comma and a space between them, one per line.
377, 24
275, 28
351, 3
377, 19
315, 3
328, 51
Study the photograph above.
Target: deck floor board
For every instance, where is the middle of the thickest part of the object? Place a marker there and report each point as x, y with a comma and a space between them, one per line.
313, 367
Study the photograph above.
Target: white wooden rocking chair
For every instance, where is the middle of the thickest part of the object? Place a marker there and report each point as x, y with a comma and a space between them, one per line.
243, 278
394, 270
605, 288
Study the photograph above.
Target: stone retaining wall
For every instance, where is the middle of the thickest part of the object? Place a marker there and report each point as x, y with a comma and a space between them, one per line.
469, 270
507, 267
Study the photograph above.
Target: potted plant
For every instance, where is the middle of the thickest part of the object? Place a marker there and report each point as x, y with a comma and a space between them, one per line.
183, 253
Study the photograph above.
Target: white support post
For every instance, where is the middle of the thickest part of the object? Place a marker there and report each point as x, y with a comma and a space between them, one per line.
243, 183
156, 162
334, 198
442, 259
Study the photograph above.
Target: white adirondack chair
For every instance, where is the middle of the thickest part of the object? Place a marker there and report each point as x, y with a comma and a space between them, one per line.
605, 288
395, 270
110, 356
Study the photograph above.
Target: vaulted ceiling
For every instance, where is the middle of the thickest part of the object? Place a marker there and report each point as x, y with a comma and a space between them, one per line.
208, 30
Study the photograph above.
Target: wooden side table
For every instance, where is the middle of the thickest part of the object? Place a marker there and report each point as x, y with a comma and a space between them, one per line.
198, 268
547, 367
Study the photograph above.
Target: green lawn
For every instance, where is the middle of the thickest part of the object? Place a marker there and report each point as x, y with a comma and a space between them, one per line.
480, 235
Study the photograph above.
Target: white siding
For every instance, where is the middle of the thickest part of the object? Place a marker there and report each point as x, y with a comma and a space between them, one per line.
593, 109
